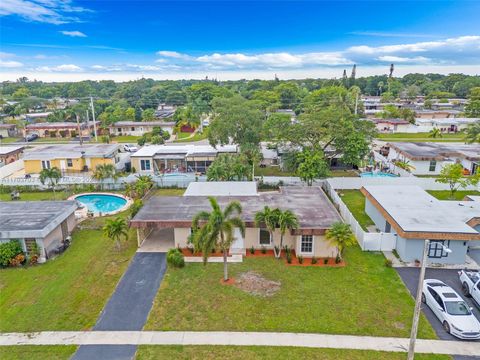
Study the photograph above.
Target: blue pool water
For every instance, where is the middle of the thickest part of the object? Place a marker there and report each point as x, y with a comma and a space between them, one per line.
376, 174
102, 203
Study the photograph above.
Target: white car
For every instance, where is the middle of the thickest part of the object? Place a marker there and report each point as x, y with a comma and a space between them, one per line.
454, 313
130, 148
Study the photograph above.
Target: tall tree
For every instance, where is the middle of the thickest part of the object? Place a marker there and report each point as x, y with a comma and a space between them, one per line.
51, 176
311, 166
452, 175
268, 218
103, 172
216, 229
287, 220
341, 236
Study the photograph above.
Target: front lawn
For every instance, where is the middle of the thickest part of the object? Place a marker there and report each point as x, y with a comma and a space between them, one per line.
355, 202
421, 137
36, 196
66, 293
363, 298
126, 139
9, 140
459, 195
168, 192
263, 352
40, 352
187, 137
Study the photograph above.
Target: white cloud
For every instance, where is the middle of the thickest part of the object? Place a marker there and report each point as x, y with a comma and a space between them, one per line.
399, 59
5, 55
10, 64
172, 54
73, 33
60, 68
46, 11
391, 34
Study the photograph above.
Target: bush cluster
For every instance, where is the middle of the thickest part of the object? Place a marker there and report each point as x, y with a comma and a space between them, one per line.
175, 258
9, 251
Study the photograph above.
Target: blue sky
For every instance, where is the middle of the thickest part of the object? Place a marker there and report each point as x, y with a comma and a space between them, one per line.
105, 39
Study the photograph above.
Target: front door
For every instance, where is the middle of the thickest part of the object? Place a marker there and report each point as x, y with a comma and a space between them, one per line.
238, 246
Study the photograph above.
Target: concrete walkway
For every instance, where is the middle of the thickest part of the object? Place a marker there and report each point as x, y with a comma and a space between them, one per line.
128, 308
133, 338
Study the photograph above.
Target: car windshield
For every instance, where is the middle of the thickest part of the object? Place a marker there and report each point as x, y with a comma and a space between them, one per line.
457, 308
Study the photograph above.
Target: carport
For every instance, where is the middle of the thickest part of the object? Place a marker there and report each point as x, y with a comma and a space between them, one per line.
157, 240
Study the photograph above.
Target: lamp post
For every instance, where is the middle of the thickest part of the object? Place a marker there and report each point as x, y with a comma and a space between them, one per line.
418, 299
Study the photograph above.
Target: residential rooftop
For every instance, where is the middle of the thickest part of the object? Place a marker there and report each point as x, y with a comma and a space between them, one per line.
314, 210
151, 150
59, 125
5, 150
72, 151
144, 123
222, 188
436, 151
414, 213
20, 219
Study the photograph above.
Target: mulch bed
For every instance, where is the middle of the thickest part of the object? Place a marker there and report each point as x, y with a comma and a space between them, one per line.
259, 253
320, 262
230, 281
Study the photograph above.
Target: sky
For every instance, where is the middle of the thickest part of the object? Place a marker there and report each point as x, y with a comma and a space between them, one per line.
69, 40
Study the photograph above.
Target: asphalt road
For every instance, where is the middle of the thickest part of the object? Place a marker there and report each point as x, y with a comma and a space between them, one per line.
128, 307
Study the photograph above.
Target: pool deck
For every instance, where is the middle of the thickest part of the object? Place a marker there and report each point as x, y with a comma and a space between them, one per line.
83, 212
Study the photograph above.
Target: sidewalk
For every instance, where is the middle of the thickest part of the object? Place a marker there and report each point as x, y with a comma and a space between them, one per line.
238, 338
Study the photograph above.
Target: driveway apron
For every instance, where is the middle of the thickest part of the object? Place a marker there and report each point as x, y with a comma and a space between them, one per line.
129, 306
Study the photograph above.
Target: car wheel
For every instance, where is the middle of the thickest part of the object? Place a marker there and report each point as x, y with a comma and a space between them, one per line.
465, 289
446, 327
424, 299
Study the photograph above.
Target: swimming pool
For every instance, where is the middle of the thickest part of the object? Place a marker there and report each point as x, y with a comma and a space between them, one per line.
377, 174
102, 203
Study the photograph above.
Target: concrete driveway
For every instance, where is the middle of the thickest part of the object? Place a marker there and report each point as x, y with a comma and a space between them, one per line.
449, 277
129, 306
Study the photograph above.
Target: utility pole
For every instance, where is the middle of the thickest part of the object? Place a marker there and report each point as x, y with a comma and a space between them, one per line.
79, 130
94, 121
418, 303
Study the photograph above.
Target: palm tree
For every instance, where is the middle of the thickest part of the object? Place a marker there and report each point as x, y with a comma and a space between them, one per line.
114, 229
287, 220
405, 165
340, 235
52, 176
472, 134
268, 218
217, 230
435, 133
104, 171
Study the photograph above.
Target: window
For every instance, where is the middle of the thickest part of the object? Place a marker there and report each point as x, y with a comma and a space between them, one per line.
306, 245
433, 165
264, 238
436, 297
45, 164
132, 128
145, 164
436, 250
69, 162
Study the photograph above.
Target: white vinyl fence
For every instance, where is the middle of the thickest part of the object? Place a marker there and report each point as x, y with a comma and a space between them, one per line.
368, 241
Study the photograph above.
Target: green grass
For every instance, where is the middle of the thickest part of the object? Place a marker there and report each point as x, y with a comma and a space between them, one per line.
66, 293
445, 194
126, 139
421, 137
355, 202
363, 298
168, 192
343, 173
184, 137
9, 140
263, 352
36, 196
32, 352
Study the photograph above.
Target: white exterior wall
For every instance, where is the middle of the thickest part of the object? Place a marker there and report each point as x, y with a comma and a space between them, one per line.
421, 167
139, 130
375, 215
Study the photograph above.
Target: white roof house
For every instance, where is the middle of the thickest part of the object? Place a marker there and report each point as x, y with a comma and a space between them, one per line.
222, 188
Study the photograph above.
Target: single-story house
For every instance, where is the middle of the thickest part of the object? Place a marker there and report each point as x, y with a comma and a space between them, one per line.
72, 158
436, 114
38, 116
413, 216
7, 130
61, 129
391, 125
9, 154
445, 124
164, 111
136, 128
154, 159
46, 223
429, 158
315, 213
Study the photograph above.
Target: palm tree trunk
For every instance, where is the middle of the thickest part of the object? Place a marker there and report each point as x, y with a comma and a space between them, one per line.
225, 266
281, 245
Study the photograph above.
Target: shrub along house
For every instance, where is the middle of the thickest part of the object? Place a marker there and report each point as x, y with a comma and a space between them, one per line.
414, 216
166, 221
44, 223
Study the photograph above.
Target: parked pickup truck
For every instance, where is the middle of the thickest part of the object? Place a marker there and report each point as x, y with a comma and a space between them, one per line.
471, 284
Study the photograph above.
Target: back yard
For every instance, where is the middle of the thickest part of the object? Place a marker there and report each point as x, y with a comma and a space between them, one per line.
365, 297
355, 202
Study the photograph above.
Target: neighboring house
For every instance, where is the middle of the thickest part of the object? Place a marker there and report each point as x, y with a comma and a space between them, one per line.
429, 158
413, 216
72, 158
177, 158
445, 125
7, 130
61, 129
46, 223
9, 154
34, 117
165, 111
135, 128
437, 114
315, 213
391, 125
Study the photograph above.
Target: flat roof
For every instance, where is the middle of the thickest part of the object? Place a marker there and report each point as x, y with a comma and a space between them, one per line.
7, 126
222, 188
71, 151
20, 219
144, 123
151, 150
436, 151
417, 214
5, 150
312, 207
